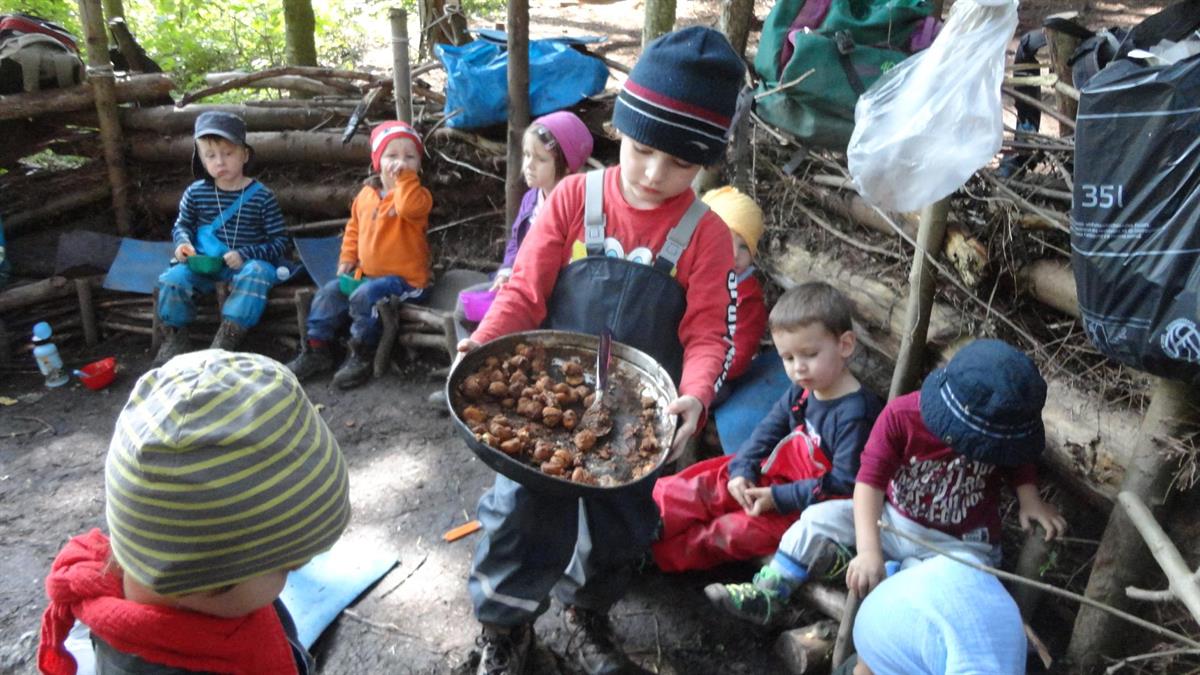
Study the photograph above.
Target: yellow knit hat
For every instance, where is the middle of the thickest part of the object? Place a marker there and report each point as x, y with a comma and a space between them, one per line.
739, 212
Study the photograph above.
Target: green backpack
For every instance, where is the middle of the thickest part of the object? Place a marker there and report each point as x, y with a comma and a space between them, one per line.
847, 44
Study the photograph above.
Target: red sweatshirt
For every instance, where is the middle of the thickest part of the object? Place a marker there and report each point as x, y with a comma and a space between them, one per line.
930, 483
705, 270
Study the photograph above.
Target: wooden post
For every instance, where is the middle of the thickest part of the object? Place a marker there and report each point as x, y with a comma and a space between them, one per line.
1062, 47
659, 19
401, 75
807, 650
1183, 585
1122, 560
734, 22
87, 312
387, 309
518, 102
303, 300
843, 647
100, 74
930, 232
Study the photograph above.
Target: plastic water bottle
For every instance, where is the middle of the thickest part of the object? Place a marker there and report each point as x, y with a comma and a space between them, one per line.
46, 354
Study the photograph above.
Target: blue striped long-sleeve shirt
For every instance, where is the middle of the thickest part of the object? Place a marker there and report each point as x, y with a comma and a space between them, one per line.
255, 230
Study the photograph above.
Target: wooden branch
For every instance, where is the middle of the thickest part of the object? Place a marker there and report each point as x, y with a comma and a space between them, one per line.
270, 147
1039, 105
18, 223
1001, 574
87, 312
1052, 283
282, 77
489, 146
21, 297
1183, 584
142, 88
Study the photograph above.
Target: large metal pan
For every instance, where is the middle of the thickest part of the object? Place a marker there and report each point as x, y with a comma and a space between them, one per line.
629, 365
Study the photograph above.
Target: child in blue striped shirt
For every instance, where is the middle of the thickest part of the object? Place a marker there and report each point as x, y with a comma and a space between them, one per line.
234, 222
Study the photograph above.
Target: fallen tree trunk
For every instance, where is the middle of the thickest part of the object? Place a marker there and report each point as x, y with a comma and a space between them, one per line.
269, 147
83, 97
19, 222
166, 119
1088, 443
320, 200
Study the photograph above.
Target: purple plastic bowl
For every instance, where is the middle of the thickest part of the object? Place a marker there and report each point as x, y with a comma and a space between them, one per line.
475, 303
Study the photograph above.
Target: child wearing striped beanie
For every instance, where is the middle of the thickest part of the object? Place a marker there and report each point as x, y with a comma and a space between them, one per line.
221, 477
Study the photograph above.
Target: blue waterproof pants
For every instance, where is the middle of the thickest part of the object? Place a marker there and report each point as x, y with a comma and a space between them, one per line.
331, 309
581, 549
247, 299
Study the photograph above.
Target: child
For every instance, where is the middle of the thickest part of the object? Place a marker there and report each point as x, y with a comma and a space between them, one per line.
940, 456
226, 214
384, 244
938, 617
745, 221
554, 145
631, 248
221, 478
803, 452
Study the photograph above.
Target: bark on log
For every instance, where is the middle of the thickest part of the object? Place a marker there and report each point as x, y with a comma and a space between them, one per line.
171, 120
1122, 560
1088, 443
38, 291
828, 600
269, 147
320, 200
136, 88
100, 74
1052, 283
18, 223
807, 650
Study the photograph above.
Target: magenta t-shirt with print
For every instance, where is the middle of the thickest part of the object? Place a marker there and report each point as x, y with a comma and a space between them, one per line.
930, 483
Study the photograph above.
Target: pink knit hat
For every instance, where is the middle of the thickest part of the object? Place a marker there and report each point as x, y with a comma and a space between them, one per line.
387, 132
571, 134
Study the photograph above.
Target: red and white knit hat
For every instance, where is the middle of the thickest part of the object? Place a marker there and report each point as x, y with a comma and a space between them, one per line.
386, 133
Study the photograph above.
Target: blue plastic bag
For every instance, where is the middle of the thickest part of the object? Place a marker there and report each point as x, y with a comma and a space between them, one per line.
477, 80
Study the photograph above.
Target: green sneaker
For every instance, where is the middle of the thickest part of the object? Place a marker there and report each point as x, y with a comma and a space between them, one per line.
830, 561
745, 601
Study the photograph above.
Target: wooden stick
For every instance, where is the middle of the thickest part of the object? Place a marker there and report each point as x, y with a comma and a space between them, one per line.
921, 287
1183, 584
843, 647
237, 81
100, 73
1038, 104
401, 77
1159, 630
87, 312
463, 221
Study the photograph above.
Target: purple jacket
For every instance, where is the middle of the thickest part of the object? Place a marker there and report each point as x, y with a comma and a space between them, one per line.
520, 228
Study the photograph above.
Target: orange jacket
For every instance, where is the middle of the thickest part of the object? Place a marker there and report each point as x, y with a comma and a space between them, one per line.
386, 233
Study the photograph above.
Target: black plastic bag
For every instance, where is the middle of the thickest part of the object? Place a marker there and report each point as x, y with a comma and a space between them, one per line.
1135, 214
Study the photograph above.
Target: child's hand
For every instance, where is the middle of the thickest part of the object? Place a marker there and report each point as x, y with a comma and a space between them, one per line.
499, 282
761, 501
737, 487
234, 261
465, 346
1045, 515
689, 409
345, 268
865, 572
184, 251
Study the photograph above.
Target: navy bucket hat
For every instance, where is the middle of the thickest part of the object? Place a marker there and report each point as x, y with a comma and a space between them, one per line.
224, 125
987, 403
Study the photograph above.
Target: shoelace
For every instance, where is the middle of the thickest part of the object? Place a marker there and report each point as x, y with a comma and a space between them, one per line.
740, 592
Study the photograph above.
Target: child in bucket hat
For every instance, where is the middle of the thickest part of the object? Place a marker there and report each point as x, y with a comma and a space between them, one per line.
384, 254
221, 477
933, 468
655, 266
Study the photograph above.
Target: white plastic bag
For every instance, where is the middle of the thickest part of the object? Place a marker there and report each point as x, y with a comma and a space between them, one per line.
929, 123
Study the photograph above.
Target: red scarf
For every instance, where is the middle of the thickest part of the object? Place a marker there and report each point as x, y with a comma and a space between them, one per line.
80, 588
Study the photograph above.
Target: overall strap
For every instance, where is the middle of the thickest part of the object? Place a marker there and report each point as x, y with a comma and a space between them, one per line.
679, 236
251, 190
593, 212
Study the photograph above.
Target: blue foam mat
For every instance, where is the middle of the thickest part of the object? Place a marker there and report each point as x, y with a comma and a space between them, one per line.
320, 256
753, 395
316, 593
138, 265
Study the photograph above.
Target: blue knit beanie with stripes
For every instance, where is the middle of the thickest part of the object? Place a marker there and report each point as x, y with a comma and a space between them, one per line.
680, 97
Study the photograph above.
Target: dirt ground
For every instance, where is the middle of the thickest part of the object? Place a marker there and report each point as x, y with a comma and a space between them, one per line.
411, 480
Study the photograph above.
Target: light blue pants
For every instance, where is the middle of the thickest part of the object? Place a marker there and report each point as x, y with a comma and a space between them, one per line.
582, 549
331, 309
247, 299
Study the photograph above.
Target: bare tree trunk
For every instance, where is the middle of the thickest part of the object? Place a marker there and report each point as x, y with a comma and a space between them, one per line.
660, 19
401, 74
1122, 559
100, 74
518, 101
299, 26
1062, 47
736, 16
113, 9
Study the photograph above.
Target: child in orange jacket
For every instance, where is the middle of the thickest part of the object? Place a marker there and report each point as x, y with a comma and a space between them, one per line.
384, 252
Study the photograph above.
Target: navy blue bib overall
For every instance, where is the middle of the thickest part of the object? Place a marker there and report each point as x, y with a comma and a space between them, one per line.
583, 549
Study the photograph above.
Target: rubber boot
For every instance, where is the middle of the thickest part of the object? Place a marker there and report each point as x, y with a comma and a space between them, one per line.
356, 369
312, 360
228, 336
174, 343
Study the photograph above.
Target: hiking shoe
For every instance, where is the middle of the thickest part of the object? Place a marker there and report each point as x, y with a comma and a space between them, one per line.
830, 560
310, 361
229, 336
174, 343
758, 601
503, 651
592, 641
356, 369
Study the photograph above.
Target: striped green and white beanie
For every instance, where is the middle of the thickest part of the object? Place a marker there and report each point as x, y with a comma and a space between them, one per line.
220, 470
